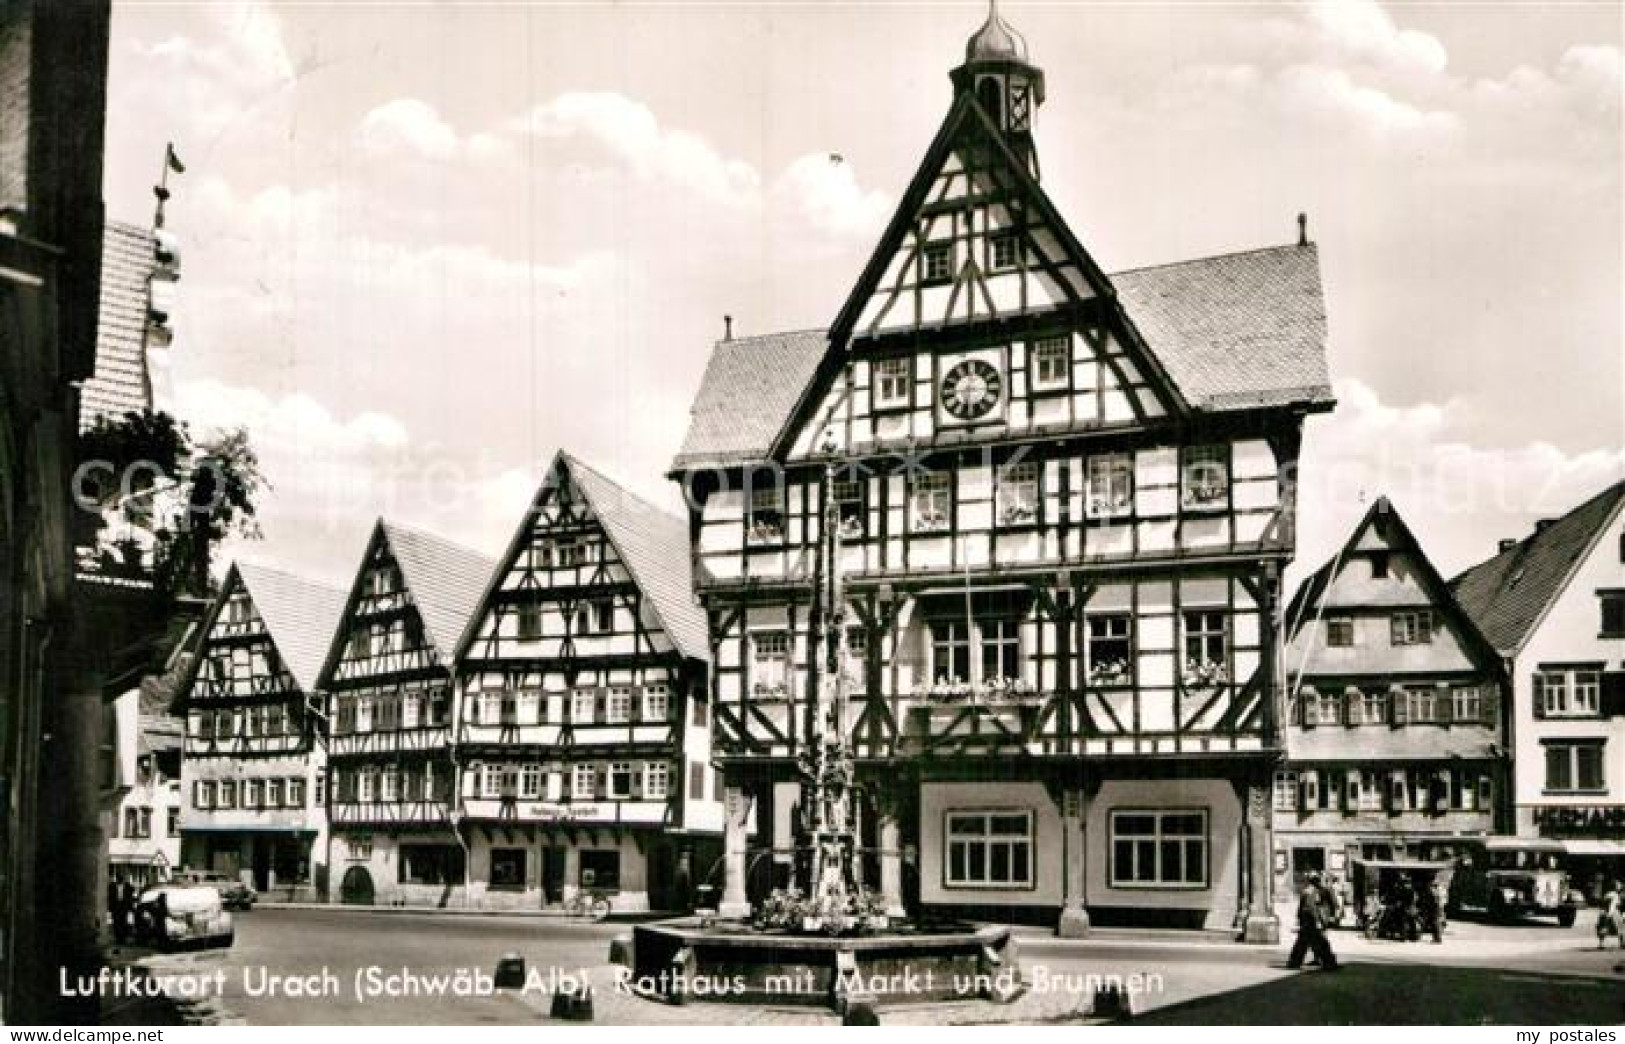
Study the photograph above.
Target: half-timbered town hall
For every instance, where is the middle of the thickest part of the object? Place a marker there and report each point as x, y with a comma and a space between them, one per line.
1065, 502
389, 683
583, 722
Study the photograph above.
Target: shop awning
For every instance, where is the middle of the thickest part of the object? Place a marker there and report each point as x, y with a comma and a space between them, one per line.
1594, 846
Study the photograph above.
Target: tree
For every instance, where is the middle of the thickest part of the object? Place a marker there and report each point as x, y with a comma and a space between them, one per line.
189, 495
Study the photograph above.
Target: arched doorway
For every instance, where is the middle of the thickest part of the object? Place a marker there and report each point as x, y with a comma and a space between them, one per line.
356, 889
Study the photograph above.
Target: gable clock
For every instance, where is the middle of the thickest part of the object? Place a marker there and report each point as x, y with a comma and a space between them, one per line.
972, 388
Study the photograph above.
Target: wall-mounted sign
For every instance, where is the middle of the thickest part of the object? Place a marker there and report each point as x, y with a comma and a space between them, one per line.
560, 813
1580, 820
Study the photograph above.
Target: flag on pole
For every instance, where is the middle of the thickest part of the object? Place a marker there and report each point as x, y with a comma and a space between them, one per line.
173, 160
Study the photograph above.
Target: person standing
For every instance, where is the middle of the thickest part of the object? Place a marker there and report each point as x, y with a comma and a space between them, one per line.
1312, 928
1611, 919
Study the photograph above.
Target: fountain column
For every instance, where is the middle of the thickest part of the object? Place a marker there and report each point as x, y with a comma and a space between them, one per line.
735, 828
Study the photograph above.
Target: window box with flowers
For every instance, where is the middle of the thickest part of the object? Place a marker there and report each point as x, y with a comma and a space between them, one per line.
1205, 674
763, 532
992, 690
765, 522
1205, 478
932, 506
1110, 674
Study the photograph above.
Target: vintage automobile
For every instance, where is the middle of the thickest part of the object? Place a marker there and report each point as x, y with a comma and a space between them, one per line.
1377, 896
234, 894
1508, 878
173, 914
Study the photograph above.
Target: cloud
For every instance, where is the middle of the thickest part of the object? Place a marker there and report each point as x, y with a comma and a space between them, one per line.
330, 475
822, 191
1362, 32
629, 132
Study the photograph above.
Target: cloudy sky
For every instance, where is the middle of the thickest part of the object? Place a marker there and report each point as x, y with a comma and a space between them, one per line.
425, 246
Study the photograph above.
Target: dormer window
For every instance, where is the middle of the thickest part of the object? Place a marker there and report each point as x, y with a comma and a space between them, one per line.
1005, 251
891, 383
937, 263
1051, 363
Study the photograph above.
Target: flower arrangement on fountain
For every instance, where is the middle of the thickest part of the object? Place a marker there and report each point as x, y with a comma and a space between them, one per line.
1204, 674
835, 913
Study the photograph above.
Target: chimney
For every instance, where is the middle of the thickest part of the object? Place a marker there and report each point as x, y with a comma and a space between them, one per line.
1506, 544
1544, 524
1303, 229
727, 328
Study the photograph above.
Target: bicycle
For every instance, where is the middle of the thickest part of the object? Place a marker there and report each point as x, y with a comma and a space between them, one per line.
588, 904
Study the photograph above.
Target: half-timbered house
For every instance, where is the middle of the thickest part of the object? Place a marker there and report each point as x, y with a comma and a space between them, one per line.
392, 800
1065, 502
582, 718
253, 770
1396, 717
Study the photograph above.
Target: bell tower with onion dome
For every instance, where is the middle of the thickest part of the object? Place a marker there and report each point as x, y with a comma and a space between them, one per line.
1007, 86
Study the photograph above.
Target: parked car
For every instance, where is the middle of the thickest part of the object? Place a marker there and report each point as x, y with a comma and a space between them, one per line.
1513, 877
233, 893
175, 913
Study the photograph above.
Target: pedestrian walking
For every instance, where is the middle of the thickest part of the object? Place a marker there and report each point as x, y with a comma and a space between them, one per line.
1312, 928
1611, 919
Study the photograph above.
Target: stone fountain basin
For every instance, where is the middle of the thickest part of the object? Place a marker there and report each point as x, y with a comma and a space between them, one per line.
689, 960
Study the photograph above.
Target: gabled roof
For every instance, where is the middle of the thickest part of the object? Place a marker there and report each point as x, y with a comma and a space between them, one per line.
651, 542
300, 615
1509, 594
1398, 537
445, 581
1235, 332
750, 387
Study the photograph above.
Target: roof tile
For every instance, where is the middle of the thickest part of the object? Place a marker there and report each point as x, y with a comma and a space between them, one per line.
300, 615
446, 581
654, 544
